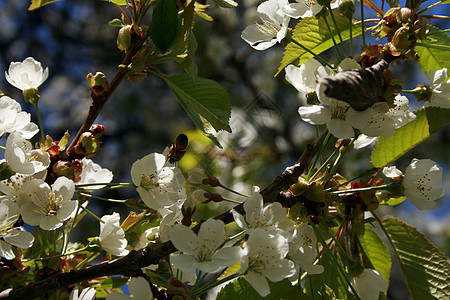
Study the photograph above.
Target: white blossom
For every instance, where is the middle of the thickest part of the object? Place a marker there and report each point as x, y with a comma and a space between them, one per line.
400, 112
259, 216
304, 78
21, 156
273, 26
392, 172
9, 235
27, 74
47, 206
263, 258
12, 118
86, 294
158, 185
202, 251
440, 87
94, 173
369, 284
380, 123
139, 289
423, 183
112, 237
302, 249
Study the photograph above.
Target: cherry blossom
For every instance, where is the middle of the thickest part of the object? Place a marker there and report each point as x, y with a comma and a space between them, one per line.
273, 27
302, 249
369, 284
203, 251
158, 185
440, 87
47, 206
138, 287
94, 173
423, 183
12, 119
86, 294
112, 237
264, 258
21, 156
27, 74
9, 235
400, 112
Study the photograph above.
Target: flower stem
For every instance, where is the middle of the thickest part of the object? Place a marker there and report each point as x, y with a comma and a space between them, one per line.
41, 128
372, 188
337, 28
363, 34
328, 251
233, 191
351, 35
312, 53
332, 37
102, 198
85, 261
91, 213
66, 241
231, 200
431, 6
322, 149
325, 163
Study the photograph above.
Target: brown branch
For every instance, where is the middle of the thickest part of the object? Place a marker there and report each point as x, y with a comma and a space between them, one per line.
131, 264
97, 104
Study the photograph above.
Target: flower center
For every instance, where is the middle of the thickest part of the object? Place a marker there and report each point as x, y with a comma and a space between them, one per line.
269, 25
149, 182
53, 204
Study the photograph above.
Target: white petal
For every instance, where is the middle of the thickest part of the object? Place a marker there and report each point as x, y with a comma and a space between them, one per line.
259, 283
340, 129
140, 289
315, 114
184, 262
183, 238
19, 238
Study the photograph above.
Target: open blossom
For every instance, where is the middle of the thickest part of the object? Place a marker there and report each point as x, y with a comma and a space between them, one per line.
158, 185
9, 235
12, 118
86, 294
47, 206
27, 74
94, 173
139, 289
423, 183
202, 251
112, 237
304, 78
264, 258
369, 284
400, 113
302, 249
273, 26
440, 87
21, 156
380, 123
259, 216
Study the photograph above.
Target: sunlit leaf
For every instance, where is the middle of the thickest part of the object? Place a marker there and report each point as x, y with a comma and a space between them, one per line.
205, 101
424, 267
377, 252
163, 29
113, 282
35, 4
432, 55
118, 2
313, 34
428, 121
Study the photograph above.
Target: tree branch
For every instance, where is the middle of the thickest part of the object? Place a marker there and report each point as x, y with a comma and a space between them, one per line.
131, 264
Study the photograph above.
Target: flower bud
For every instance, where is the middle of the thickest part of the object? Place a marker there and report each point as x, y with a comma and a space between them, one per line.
347, 9
97, 83
69, 169
124, 38
97, 130
87, 145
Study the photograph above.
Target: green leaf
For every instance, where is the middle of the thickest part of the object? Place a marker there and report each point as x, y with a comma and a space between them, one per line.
433, 57
118, 2
35, 4
314, 35
163, 29
115, 23
113, 282
240, 289
377, 252
205, 101
424, 267
428, 121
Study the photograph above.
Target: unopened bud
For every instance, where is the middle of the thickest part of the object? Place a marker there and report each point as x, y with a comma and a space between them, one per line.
97, 130
97, 83
87, 145
124, 38
69, 169
347, 9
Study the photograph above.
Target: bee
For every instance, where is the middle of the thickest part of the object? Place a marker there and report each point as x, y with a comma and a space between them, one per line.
178, 148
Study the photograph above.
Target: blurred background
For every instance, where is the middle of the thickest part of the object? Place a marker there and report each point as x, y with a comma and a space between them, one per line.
72, 38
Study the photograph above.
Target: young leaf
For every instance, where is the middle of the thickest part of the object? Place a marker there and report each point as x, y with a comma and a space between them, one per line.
118, 2
377, 252
35, 4
432, 57
113, 282
428, 121
240, 289
163, 29
424, 267
314, 35
205, 101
